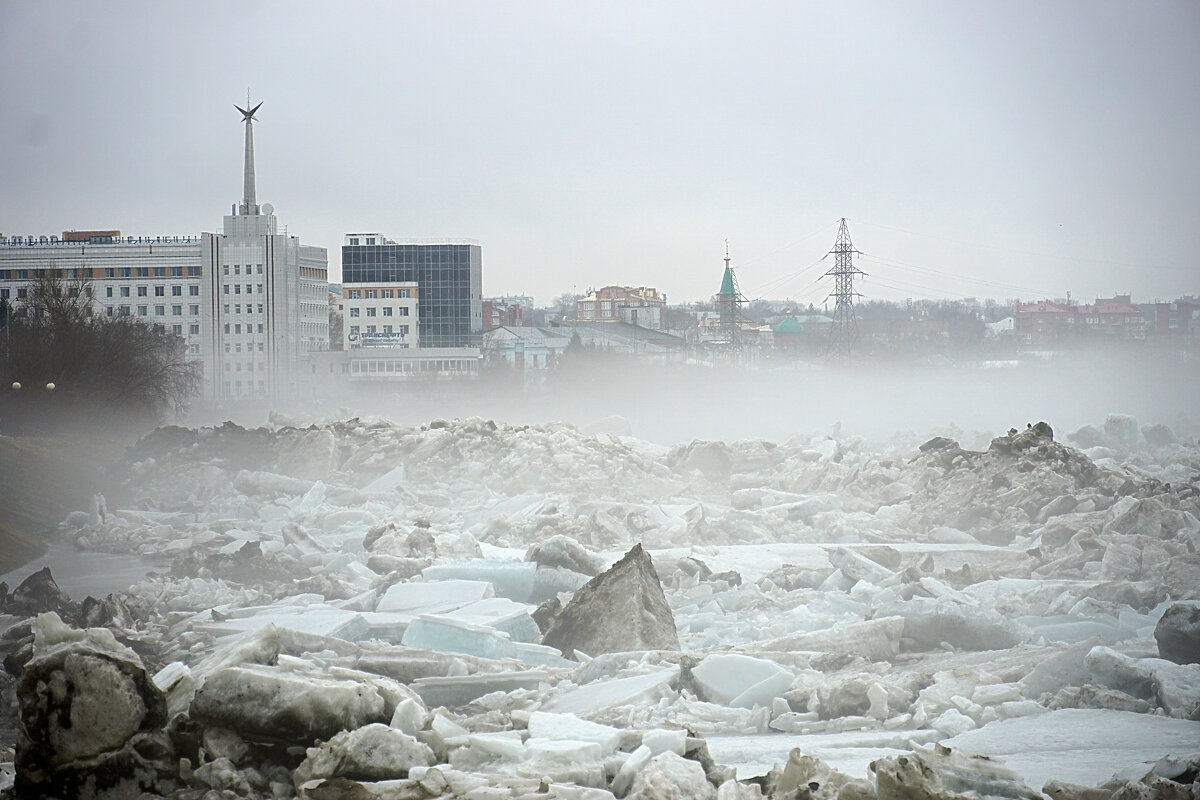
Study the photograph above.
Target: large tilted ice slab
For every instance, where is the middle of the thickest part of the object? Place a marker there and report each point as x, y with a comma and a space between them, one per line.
599, 695
511, 579
434, 597
741, 681
1082, 746
450, 635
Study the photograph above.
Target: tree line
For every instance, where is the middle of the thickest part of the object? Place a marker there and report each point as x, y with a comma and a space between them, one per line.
62, 362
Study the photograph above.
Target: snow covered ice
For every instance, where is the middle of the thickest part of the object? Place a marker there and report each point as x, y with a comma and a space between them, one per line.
475, 609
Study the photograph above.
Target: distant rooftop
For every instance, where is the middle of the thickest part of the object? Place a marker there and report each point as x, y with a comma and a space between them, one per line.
90, 238
376, 239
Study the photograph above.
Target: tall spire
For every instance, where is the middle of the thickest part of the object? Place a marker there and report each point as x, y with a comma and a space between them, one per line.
249, 203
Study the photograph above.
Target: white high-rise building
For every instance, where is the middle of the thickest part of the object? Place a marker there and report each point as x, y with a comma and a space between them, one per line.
265, 298
248, 302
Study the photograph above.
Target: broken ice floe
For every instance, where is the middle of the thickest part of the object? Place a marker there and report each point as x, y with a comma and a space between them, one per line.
491, 611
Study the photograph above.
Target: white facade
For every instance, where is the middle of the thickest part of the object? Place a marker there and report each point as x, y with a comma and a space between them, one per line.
379, 315
155, 279
248, 302
266, 301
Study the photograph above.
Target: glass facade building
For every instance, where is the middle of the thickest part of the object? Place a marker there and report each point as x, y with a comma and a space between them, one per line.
448, 275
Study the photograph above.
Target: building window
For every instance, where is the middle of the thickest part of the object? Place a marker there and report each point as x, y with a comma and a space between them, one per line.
387, 311
370, 294
237, 269
177, 291
354, 294
248, 288
237, 309
259, 270
260, 288
177, 330
260, 329
107, 291
109, 272
225, 269
371, 311
403, 293
353, 241
143, 311
387, 328
160, 311
370, 329
260, 307
160, 272
122, 272
354, 330
227, 327
176, 272
194, 310
193, 328
354, 311
160, 291
142, 291
176, 311
194, 291
143, 272
260, 345
226, 288
237, 288
404, 311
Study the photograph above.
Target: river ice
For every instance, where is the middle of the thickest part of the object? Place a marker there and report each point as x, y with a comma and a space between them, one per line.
860, 601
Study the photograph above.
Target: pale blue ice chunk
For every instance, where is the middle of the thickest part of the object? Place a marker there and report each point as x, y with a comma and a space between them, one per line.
502, 614
455, 636
598, 695
436, 597
511, 579
741, 681
548, 725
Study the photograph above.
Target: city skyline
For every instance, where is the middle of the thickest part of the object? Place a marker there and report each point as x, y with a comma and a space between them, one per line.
1022, 151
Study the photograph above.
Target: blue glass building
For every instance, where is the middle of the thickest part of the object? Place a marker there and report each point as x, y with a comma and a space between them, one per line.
449, 279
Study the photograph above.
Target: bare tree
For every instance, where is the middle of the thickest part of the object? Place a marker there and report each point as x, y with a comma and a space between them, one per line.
99, 366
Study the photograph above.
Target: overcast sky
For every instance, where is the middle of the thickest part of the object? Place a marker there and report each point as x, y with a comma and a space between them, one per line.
982, 149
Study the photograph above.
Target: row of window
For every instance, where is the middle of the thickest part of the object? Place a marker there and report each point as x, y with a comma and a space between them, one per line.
237, 308
159, 291
237, 328
401, 311
237, 366
372, 294
412, 367
237, 288
159, 311
237, 269
249, 347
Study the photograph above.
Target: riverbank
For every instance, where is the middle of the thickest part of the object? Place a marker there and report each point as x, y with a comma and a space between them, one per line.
42, 480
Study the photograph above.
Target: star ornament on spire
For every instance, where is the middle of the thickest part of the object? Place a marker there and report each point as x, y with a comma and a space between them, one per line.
247, 115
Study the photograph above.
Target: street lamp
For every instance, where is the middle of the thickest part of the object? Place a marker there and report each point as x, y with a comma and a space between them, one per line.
16, 386
50, 386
